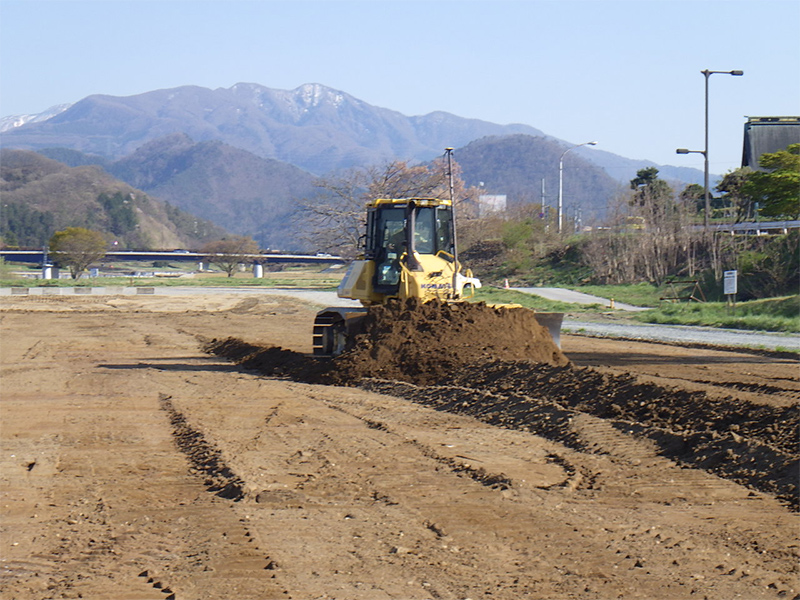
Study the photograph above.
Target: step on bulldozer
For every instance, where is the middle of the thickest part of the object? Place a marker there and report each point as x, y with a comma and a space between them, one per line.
409, 251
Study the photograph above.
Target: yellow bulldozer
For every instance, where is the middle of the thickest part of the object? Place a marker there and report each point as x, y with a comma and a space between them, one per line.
409, 251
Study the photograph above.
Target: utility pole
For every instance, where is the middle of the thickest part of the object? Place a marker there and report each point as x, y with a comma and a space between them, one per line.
544, 208
449, 153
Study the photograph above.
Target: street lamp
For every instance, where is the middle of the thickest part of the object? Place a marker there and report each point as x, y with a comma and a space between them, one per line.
561, 181
685, 151
708, 74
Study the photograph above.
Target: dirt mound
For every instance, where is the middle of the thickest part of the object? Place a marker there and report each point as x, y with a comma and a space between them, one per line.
420, 343
424, 343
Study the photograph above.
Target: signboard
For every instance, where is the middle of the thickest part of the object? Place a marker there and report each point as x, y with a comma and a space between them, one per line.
729, 282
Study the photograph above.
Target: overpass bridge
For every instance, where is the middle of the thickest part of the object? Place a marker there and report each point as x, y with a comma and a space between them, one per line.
39, 257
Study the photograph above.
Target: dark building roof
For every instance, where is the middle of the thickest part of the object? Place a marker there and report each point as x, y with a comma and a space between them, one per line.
767, 135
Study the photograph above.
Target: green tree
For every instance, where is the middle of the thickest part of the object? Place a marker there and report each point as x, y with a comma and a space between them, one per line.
778, 188
228, 253
693, 197
120, 211
732, 185
649, 188
77, 248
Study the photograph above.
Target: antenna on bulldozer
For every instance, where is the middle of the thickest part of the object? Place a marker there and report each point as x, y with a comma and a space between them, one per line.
449, 153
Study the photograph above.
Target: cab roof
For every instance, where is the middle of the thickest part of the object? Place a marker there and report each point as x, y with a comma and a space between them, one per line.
405, 201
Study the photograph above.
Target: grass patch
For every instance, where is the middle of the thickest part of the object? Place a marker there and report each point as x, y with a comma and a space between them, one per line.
5, 270
640, 294
502, 296
772, 314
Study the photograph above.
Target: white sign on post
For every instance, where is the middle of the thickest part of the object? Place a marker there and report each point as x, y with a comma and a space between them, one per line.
729, 282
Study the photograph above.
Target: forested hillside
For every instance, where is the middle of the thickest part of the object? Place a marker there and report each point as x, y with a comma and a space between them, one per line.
235, 189
41, 196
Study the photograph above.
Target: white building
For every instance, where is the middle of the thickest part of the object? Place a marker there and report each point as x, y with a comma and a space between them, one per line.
491, 204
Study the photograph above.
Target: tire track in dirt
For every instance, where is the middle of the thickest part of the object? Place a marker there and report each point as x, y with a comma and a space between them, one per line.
205, 458
754, 445
745, 461
247, 560
498, 481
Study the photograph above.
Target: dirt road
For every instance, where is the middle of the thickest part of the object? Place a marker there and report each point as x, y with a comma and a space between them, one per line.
136, 466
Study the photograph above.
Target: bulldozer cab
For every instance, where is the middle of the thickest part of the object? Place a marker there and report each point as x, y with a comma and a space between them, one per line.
400, 232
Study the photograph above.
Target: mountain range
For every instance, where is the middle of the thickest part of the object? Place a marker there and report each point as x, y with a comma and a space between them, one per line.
242, 157
313, 127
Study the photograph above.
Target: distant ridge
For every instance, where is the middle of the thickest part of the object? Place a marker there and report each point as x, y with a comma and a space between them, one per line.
13, 121
314, 127
237, 190
243, 157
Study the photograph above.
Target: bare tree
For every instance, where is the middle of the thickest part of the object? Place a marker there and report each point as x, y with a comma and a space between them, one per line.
229, 253
334, 219
611, 252
651, 237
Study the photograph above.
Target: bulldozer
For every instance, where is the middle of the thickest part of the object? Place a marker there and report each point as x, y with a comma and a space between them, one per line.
409, 251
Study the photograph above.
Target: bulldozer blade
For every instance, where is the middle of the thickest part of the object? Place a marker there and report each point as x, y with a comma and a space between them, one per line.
552, 322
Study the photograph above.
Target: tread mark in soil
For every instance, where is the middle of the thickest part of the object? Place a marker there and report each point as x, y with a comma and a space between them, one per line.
219, 478
752, 444
205, 458
495, 481
757, 388
492, 480
158, 585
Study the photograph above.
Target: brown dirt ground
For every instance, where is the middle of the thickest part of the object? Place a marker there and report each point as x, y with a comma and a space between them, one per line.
134, 465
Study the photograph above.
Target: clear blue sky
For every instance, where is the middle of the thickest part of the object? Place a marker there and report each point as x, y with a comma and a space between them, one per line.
624, 73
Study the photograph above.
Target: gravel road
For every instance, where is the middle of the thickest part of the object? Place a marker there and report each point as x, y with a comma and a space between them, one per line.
573, 297
681, 334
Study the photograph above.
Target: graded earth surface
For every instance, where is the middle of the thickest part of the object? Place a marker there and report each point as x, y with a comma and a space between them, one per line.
191, 448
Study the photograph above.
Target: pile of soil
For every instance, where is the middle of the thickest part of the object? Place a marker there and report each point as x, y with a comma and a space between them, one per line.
425, 343
411, 341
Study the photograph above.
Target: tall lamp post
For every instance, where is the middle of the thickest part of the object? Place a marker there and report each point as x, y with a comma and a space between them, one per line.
561, 181
706, 195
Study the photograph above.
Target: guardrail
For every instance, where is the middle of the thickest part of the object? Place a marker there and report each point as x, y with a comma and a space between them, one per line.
761, 228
